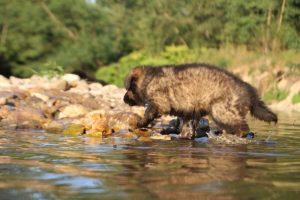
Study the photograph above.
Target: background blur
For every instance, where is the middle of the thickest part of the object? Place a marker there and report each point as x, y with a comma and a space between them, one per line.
105, 38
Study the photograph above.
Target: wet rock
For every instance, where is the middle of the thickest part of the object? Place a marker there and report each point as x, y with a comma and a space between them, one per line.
250, 135
214, 131
59, 125
101, 126
74, 110
91, 119
143, 132
173, 127
95, 134
158, 136
23, 118
74, 130
126, 135
144, 139
201, 139
202, 128
54, 127
123, 120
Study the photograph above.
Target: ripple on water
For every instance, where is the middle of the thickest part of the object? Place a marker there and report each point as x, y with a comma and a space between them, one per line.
36, 165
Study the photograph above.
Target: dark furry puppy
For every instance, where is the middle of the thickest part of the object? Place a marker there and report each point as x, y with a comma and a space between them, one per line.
191, 91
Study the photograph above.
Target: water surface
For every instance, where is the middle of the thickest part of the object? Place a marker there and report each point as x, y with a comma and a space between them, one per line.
38, 165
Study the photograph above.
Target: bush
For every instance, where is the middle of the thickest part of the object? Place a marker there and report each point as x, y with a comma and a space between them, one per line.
116, 72
275, 94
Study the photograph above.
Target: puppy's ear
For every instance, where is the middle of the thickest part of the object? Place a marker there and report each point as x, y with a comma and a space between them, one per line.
137, 72
133, 76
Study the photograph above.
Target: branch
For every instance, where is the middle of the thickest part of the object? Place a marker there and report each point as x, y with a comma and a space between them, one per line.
281, 15
57, 21
4, 33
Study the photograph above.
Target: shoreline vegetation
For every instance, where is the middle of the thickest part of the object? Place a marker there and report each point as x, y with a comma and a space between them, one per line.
72, 106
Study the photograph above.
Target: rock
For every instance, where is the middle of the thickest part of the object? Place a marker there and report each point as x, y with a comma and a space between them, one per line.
113, 92
201, 139
41, 96
72, 79
58, 84
127, 135
295, 88
158, 136
283, 84
73, 110
81, 88
74, 130
138, 110
54, 127
123, 120
101, 126
95, 134
95, 89
250, 135
92, 118
4, 82
142, 132
144, 139
5, 96
23, 118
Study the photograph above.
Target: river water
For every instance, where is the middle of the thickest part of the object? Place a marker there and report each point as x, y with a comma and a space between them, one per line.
38, 165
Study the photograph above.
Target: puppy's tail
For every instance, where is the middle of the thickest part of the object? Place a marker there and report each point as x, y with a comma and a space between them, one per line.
259, 110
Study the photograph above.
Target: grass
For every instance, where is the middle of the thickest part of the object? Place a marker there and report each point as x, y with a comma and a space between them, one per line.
275, 94
296, 98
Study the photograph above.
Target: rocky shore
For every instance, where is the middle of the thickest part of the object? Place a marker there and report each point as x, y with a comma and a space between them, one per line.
66, 105
73, 106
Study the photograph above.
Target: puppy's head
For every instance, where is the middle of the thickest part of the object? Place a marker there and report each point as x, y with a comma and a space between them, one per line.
132, 83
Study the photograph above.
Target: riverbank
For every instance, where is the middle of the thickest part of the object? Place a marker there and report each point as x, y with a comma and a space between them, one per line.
73, 106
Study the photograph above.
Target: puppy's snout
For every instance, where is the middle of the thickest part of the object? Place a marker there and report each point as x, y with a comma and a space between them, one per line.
126, 98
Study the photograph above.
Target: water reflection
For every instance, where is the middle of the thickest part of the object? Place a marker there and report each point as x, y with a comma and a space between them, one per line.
47, 166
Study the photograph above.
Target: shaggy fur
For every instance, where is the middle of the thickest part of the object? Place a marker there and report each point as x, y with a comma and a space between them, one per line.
191, 91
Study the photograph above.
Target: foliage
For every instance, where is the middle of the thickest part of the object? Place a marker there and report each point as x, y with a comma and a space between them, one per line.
81, 35
275, 94
116, 72
296, 98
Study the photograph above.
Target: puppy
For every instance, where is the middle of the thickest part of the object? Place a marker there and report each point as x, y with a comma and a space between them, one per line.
191, 91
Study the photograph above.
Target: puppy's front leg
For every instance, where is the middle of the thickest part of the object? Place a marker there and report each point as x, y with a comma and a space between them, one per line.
150, 114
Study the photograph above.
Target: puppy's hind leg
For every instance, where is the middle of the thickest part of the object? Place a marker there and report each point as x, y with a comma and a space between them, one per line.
230, 119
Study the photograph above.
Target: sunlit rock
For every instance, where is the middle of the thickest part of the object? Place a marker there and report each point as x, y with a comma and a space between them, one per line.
4, 82
157, 136
73, 110
72, 79
123, 120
